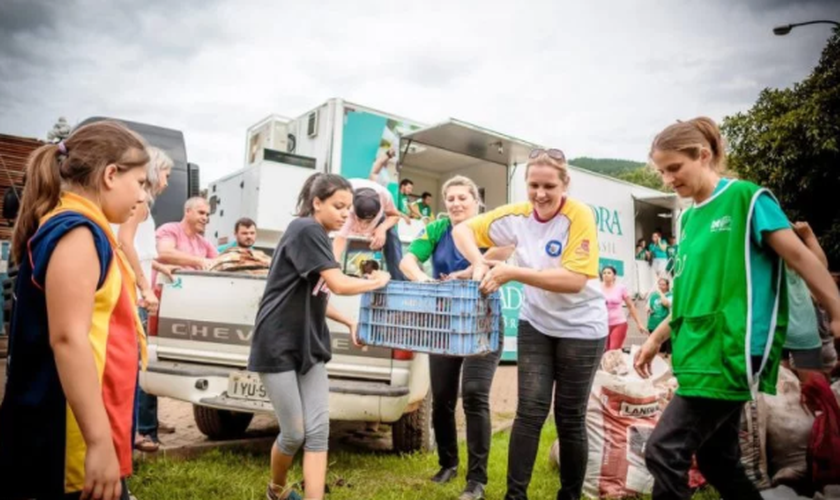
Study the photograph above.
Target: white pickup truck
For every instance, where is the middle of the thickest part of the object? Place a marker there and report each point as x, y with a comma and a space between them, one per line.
198, 350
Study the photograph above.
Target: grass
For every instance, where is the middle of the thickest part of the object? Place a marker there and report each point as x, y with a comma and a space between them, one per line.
356, 474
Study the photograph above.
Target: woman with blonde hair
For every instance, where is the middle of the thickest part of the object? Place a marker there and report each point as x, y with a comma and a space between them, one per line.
137, 239
461, 198
563, 319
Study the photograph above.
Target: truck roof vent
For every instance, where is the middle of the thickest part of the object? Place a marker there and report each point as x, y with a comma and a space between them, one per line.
312, 124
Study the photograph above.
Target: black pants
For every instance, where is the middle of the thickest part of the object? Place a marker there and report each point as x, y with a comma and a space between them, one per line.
568, 367
476, 381
709, 428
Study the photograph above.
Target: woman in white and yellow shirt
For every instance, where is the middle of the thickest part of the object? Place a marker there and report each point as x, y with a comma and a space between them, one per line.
563, 320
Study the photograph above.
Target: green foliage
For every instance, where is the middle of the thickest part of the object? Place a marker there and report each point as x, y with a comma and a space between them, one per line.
643, 176
789, 142
607, 166
630, 171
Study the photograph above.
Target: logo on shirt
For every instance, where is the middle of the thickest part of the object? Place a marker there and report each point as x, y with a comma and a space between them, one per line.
583, 249
722, 224
554, 248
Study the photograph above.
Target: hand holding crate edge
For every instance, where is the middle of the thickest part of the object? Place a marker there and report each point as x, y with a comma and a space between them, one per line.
442, 317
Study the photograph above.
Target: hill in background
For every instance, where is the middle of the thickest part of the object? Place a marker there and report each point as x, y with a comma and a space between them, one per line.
626, 170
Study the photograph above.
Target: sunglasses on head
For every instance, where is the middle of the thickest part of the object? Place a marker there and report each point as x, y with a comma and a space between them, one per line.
554, 154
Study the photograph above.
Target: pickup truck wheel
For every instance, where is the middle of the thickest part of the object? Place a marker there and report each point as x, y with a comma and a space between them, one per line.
413, 431
221, 424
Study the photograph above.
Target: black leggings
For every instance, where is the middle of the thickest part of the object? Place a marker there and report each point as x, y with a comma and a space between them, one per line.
567, 367
476, 381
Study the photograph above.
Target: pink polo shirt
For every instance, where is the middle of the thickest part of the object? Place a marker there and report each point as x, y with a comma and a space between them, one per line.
196, 245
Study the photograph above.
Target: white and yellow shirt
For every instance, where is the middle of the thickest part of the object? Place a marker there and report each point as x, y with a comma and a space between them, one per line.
568, 240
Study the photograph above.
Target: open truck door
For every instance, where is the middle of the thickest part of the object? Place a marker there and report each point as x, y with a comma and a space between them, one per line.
432, 155
655, 212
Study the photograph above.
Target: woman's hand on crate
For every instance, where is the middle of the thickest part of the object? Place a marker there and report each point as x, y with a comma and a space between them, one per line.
458, 275
380, 277
499, 274
479, 269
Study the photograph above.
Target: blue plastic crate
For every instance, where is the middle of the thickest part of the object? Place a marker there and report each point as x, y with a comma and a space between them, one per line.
451, 318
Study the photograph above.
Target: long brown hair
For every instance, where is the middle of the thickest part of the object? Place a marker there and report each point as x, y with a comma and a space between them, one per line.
690, 137
77, 161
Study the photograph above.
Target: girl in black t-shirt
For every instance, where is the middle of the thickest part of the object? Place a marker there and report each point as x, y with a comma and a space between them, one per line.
291, 343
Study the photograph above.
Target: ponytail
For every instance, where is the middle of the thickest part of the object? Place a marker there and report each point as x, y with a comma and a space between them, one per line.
79, 161
690, 137
40, 195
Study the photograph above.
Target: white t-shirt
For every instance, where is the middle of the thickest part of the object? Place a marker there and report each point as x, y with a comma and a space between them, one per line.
568, 240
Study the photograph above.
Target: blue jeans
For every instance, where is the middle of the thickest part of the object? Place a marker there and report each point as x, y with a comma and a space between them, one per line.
393, 254
145, 405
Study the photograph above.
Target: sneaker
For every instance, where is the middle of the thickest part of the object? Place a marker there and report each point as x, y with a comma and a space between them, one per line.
271, 495
473, 491
445, 475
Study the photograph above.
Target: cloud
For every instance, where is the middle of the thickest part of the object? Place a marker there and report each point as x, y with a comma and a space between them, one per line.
595, 79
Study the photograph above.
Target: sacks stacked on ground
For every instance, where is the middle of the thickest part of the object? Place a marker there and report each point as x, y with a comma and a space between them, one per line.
788, 429
623, 409
242, 260
753, 441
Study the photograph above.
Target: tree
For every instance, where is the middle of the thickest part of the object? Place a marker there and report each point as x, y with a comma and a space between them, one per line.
789, 142
60, 131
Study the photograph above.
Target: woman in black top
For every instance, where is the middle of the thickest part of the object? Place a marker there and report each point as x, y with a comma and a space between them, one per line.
291, 341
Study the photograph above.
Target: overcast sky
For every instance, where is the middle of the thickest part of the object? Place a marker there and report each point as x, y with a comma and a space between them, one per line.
595, 78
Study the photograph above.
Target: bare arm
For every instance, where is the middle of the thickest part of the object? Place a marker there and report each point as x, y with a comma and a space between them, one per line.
339, 246
644, 356
379, 164
796, 255
71, 280
803, 229
466, 244
666, 302
338, 316
168, 254
552, 280
125, 235
410, 266
389, 222
634, 313
341, 284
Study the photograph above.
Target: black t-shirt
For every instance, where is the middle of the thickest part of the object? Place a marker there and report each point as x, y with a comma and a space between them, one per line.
291, 329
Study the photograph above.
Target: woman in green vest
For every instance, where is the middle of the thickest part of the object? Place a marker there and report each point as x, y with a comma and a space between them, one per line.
729, 312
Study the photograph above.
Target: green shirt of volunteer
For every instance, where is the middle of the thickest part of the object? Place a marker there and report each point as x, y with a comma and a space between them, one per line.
726, 347
425, 210
658, 311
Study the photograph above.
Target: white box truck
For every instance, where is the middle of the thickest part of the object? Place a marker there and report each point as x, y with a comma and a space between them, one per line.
201, 336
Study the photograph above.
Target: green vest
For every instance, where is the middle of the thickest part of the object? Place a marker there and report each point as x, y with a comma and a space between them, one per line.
711, 312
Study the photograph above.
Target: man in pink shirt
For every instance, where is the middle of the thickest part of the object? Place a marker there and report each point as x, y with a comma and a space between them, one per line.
373, 216
183, 243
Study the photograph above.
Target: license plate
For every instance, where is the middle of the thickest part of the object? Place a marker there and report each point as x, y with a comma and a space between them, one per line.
245, 385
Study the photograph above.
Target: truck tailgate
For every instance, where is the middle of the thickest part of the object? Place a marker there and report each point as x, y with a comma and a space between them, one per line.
209, 318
